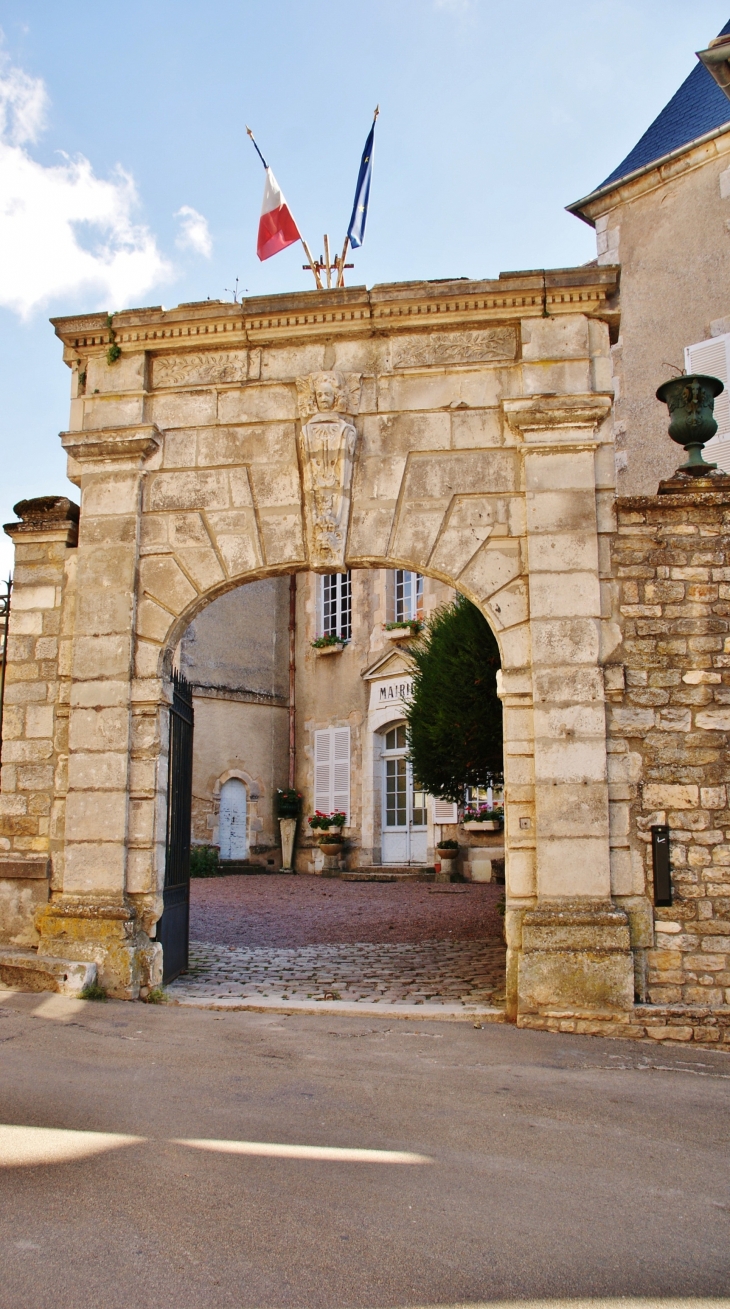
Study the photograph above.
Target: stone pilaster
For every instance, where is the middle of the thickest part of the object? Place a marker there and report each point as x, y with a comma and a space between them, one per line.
572, 942
94, 916
35, 719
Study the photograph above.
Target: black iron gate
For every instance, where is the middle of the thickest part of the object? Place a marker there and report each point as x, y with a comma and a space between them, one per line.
173, 927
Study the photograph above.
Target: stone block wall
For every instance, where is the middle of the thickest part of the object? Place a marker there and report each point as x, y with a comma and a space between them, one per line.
669, 730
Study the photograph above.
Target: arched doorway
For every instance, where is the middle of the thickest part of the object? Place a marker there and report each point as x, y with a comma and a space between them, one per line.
232, 820
404, 809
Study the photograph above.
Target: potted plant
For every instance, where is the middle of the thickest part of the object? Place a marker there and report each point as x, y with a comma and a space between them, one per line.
329, 644
403, 629
288, 808
482, 818
329, 827
447, 849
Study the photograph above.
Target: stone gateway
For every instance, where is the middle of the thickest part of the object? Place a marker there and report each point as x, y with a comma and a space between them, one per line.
462, 430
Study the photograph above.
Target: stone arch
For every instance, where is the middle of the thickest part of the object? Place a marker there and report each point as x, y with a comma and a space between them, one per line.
472, 442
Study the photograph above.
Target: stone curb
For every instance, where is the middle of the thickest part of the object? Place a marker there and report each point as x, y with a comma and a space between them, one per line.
449, 1013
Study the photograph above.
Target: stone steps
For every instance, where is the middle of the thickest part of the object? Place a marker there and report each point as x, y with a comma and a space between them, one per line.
25, 970
389, 873
243, 868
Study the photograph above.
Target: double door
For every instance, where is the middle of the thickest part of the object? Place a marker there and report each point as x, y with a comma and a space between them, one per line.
405, 820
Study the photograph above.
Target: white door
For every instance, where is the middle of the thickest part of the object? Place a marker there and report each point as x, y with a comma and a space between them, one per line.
405, 831
232, 821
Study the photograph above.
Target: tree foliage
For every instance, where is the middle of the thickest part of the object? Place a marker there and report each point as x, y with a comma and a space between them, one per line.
455, 717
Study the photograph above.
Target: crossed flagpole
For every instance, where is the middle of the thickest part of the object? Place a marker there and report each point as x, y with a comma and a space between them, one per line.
278, 230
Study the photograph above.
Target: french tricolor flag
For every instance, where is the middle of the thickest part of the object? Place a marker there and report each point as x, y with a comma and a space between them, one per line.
277, 228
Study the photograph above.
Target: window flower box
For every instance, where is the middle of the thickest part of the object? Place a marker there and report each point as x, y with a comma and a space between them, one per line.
328, 645
487, 825
404, 631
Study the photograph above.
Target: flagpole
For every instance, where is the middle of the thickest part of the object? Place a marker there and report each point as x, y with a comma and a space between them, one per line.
307, 251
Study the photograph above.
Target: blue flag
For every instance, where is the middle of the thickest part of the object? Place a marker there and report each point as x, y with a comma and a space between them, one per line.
356, 230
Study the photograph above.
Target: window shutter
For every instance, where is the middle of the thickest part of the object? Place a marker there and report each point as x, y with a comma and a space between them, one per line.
711, 357
332, 770
341, 770
322, 771
444, 811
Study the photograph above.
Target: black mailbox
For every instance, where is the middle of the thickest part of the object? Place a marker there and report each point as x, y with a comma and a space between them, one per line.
662, 870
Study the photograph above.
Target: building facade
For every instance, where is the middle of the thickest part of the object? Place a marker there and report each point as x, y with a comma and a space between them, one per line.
350, 677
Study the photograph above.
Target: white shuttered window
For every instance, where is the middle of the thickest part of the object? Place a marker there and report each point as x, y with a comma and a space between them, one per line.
332, 770
713, 358
445, 812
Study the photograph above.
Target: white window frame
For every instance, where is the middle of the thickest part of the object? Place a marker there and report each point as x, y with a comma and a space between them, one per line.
405, 595
332, 771
334, 605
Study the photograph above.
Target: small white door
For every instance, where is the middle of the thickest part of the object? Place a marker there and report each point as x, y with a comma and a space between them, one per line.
404, 831
232, 820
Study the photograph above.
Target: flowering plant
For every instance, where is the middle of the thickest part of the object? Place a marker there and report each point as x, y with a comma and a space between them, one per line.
415, 624
331, 638
325, 821
483, 814
288, 802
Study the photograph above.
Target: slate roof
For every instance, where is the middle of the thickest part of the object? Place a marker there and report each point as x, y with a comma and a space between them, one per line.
699, 106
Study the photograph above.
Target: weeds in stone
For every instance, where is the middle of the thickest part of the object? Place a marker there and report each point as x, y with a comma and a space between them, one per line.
158, 995
92, 991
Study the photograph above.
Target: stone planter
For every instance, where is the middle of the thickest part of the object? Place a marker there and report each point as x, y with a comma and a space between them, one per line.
447, 858
331, 847
490, 825
404, 633
322, 650
287, 828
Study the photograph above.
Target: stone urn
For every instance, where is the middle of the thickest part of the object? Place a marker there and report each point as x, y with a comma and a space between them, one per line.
330, 846
691, 401
287, 828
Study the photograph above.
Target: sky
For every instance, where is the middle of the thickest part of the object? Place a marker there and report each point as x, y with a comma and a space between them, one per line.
127, 179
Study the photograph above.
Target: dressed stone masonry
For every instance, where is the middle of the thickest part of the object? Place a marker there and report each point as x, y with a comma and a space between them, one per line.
482, 455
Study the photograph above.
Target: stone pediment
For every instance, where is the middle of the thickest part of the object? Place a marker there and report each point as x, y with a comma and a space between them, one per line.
391, 663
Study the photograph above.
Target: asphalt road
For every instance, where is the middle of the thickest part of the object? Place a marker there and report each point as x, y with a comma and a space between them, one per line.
559, 1166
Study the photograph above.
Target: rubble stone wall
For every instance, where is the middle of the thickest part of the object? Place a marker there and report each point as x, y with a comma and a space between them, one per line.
669, 731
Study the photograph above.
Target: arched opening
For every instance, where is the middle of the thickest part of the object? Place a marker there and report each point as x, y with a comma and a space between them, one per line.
233, 821
301, 681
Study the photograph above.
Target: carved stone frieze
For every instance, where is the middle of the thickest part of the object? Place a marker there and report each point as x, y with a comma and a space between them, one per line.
440, 348
205, 367
327, 447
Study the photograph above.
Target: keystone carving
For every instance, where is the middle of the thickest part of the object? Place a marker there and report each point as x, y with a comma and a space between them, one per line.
327, 448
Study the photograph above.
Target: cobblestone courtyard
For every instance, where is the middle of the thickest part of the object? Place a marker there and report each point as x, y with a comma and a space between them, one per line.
301, 939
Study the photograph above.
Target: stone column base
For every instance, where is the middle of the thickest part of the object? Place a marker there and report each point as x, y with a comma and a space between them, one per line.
575, 955
107, 933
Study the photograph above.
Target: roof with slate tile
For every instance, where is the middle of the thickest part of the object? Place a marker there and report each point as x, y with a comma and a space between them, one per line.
698, 107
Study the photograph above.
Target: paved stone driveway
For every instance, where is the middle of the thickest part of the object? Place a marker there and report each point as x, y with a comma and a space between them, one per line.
430, 972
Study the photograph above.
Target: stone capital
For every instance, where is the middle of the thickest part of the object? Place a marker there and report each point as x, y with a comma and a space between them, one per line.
548, 420
48, 518
112, 444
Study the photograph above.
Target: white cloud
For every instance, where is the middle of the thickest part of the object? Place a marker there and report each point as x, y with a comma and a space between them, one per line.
194, 234
63, 230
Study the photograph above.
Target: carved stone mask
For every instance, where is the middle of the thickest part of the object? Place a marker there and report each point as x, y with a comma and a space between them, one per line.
325, 391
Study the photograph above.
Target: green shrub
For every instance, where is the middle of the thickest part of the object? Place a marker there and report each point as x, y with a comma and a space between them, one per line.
93, 992
204, 861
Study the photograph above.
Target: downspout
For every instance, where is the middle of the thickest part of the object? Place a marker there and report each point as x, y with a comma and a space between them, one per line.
292, 677
5, 613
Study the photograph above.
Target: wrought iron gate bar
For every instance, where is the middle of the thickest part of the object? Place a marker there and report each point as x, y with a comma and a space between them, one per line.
173, 927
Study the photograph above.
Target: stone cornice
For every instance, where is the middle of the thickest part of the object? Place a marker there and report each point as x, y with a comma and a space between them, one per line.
111, 443
46, 518
660, 171
350, 311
